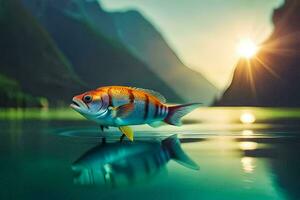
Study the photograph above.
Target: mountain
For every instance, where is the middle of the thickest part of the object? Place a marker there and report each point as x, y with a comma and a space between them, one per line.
97, 59
138, 35
146, 42
272, 78
29, 56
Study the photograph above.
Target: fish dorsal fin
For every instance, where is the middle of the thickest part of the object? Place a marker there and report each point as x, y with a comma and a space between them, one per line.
126, 130
154, 93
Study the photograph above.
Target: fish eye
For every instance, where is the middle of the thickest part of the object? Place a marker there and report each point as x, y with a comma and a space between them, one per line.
87, 98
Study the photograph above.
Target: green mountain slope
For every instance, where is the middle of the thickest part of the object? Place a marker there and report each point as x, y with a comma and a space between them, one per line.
12, 96
97, 59
29, 56
147, 44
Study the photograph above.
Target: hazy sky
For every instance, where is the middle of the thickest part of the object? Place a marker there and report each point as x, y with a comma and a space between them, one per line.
205, 33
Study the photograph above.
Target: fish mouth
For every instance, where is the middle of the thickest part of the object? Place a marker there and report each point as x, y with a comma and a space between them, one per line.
77, 105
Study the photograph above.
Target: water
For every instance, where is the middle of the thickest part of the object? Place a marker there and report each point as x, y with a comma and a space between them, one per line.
242, 153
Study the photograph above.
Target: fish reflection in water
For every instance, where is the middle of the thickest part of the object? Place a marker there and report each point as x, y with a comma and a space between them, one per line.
124, 163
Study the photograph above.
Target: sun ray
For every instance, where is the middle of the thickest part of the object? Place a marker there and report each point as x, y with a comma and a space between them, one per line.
250, 77
287, 40
267, 67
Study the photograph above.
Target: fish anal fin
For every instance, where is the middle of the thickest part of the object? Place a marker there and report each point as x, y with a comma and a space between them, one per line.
159, 96
126, 130
124, 110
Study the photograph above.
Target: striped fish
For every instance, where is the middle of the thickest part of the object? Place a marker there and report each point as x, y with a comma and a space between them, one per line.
121, 106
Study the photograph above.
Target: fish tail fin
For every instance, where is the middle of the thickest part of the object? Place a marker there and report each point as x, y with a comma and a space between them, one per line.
177, 112
172, 145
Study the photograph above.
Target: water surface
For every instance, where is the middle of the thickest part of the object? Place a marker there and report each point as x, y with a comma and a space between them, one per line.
242, 153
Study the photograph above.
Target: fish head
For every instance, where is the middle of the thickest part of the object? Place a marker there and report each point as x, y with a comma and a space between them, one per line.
91, 104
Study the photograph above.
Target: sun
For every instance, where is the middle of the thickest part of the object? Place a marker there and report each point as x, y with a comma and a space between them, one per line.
247, 48
247, 118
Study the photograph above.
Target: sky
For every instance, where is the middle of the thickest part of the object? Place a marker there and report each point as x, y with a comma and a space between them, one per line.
205, 33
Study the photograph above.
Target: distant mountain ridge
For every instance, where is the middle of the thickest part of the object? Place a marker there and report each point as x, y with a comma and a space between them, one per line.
147, 44
97, 59
135, 33
275, 72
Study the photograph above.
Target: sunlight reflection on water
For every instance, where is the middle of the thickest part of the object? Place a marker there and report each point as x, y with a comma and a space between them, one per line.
248, 145
248, 164
247, 118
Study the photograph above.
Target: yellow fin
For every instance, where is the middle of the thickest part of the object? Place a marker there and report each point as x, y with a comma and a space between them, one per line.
126, 130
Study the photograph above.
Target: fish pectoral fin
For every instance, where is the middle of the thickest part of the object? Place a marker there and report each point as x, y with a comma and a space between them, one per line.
126, 130
124, 110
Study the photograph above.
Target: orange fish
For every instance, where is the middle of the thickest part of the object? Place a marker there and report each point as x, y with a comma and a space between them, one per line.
121, 106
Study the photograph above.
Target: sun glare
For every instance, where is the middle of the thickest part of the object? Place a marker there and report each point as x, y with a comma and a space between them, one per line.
247, 48
247, 118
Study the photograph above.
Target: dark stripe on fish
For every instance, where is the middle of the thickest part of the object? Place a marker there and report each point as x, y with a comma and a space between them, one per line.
156, 110
109, 97
131, 96
146, 107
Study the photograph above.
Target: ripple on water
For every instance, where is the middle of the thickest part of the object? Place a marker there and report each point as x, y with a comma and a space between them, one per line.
114, 133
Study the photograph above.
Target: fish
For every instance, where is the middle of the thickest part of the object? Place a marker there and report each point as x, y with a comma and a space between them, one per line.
122, 106
119, 164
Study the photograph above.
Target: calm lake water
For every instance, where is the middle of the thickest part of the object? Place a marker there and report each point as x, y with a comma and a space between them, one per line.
219, 153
